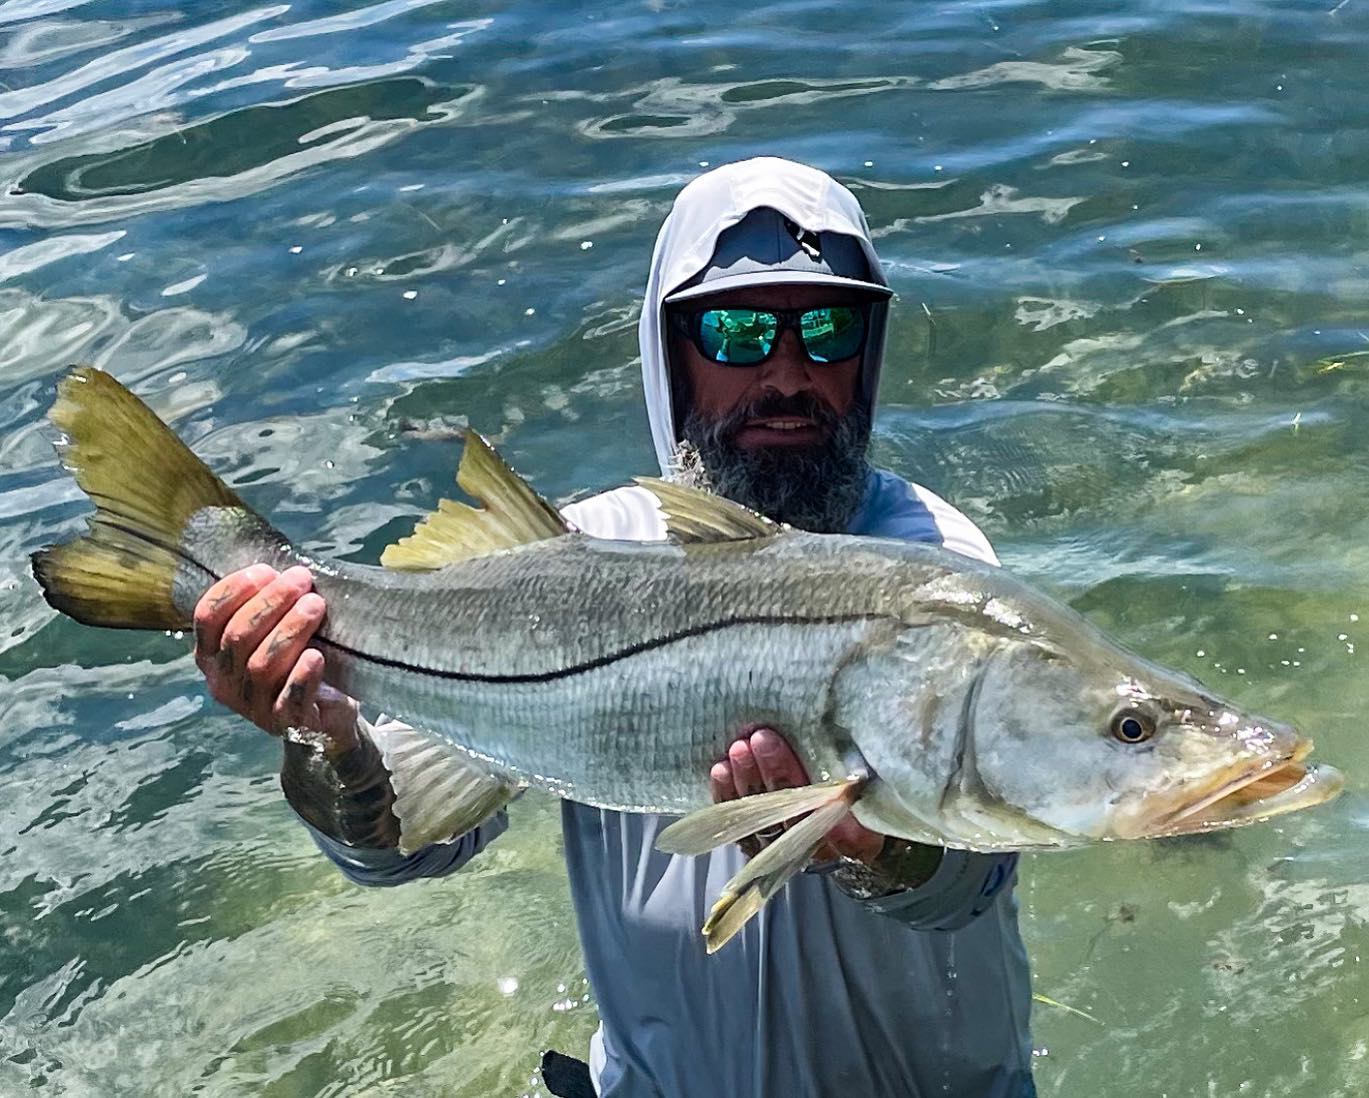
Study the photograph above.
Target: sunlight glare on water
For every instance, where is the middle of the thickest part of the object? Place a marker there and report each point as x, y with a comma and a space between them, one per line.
1130, 244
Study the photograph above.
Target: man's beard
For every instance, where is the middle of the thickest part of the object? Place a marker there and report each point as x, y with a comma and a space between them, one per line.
817, 488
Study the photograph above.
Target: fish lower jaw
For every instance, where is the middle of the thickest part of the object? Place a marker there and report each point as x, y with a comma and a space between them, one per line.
1273, 788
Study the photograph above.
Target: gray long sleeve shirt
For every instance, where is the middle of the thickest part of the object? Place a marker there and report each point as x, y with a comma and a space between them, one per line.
923, 993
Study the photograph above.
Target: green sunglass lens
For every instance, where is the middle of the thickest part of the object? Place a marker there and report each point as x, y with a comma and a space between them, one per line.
737, 336
744, 337
832, 334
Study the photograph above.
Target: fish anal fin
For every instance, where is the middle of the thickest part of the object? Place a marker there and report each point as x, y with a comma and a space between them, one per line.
693, 515
765, 874
728, 821
441, 792
510, 513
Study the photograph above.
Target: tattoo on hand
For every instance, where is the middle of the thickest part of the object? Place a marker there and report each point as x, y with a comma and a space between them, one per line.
279, 642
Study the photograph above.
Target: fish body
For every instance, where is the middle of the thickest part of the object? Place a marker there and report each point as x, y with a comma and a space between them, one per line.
616, 673
936, 697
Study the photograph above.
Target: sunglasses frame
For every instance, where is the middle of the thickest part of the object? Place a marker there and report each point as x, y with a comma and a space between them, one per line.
689, 323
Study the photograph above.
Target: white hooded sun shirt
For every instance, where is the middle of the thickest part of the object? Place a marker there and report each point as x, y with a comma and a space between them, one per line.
923, 993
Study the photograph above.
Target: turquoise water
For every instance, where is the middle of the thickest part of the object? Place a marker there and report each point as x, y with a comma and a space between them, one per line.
1131, 247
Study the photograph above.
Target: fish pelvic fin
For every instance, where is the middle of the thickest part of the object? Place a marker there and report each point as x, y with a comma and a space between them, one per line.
705, 829
146, 485
441, 792
765, 874
510, 513
693, 515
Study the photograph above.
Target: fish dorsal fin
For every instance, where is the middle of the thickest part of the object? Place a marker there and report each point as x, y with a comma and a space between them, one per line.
692, 515
510, 513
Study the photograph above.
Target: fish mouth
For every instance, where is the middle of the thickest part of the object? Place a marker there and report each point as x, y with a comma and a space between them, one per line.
1272, 788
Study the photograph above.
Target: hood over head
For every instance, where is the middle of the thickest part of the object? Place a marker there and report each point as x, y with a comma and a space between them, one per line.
684, 263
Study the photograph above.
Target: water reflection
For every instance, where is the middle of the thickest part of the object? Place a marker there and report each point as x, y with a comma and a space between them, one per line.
1129, 339
229, 156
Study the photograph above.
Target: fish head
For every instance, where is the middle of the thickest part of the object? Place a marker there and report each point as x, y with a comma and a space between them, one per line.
1086, 741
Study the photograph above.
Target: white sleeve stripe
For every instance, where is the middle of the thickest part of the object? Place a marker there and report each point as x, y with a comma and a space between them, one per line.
958, 533
630, 513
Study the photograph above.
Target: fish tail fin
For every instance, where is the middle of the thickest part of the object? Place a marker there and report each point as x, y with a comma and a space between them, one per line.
146, 485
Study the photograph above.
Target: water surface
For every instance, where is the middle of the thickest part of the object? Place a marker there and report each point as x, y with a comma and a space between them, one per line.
1131, 247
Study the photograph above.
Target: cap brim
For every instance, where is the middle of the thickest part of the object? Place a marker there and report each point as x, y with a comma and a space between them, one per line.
776, 278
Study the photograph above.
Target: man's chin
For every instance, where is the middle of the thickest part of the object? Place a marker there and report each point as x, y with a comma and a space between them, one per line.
809, 474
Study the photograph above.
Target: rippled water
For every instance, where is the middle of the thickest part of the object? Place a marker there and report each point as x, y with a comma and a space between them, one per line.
1131, 247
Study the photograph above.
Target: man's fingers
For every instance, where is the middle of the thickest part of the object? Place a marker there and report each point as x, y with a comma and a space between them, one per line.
258, 616
276, 656
851, 839
779, 767
720, 783
746, 776
218, 605
297, 703
763, 760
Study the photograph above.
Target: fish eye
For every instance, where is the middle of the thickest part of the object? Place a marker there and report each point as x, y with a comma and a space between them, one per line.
1132, 726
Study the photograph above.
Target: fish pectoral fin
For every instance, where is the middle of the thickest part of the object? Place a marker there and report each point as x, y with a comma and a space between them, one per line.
765, 874
704, 829
692, 515
441, 792
510, 513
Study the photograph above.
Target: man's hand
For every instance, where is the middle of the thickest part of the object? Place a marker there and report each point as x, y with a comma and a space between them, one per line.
760, 761
252, 631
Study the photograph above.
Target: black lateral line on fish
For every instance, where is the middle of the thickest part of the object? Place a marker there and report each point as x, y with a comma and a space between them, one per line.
601, 661
174, 550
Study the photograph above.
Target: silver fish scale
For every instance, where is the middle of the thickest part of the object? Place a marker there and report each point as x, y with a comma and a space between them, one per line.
639, 733
616, 673
543, 608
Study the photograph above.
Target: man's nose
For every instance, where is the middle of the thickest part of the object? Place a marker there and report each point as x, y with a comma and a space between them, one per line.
786, 371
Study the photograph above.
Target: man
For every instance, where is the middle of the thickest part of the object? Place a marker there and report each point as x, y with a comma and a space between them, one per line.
888, 969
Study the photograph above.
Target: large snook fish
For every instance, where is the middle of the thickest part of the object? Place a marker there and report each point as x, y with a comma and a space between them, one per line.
936, 698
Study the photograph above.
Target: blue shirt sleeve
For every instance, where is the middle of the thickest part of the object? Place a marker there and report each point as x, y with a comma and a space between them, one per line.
387, 867
963, 887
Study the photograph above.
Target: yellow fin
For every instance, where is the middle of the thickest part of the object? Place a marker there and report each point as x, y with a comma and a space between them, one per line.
145, 484
693, 515
511, 513
765, 874
728, 821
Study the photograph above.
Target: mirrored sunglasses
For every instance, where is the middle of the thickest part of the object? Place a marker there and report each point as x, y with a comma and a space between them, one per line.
747, 337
